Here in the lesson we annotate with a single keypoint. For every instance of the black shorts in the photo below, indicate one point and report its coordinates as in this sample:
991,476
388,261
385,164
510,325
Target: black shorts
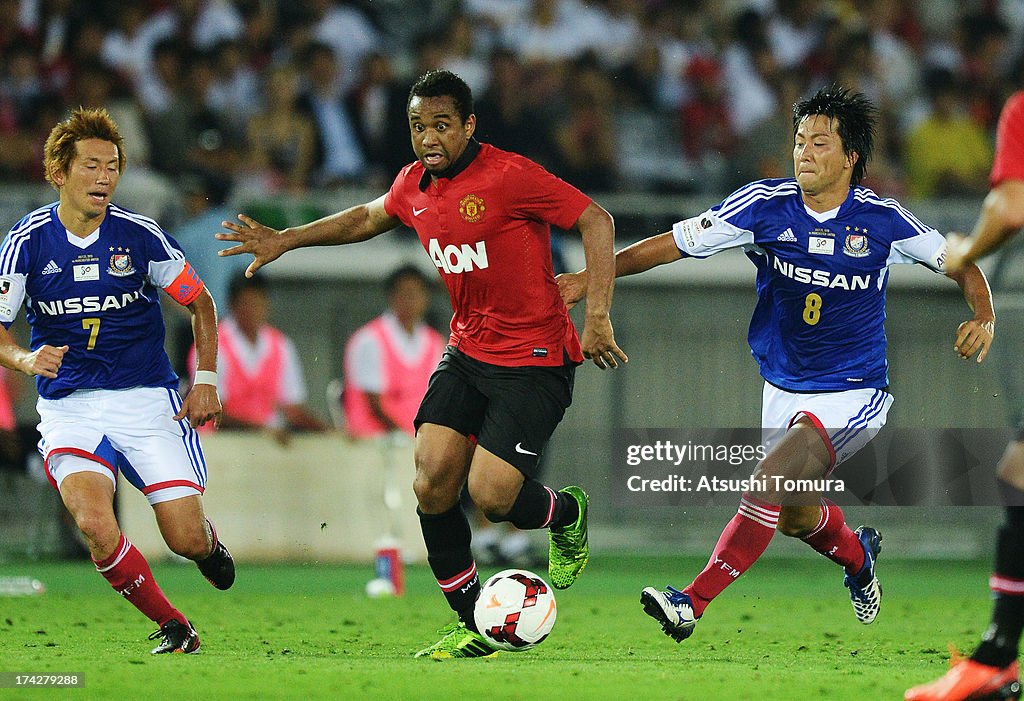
512,411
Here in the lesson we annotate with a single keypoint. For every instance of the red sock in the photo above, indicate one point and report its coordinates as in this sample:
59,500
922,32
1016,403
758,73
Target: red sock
744,539
834,539
129,574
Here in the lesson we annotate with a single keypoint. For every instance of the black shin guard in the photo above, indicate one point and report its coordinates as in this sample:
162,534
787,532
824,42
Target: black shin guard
447,537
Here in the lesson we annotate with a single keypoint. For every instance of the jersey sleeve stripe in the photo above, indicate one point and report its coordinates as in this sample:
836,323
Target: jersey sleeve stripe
31,219
743,198
868,197
151,226
12,248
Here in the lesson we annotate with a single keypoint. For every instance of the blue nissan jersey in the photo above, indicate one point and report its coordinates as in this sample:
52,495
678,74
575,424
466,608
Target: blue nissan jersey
819,323
98,295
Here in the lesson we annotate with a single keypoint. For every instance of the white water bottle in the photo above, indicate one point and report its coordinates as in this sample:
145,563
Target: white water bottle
21,586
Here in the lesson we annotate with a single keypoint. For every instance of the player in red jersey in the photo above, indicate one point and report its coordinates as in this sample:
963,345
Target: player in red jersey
484,215
992,671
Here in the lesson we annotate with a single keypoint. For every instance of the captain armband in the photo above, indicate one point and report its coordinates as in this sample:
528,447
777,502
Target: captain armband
186,287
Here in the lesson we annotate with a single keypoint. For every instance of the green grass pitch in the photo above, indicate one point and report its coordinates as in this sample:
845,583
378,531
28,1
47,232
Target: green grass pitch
784,631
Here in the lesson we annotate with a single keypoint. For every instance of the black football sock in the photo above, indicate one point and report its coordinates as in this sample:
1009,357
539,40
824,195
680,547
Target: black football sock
447,537
998,646
538,506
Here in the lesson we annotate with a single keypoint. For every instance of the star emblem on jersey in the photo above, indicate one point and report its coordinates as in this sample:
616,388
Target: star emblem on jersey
787,236
856,245
50,268
471,208
121,265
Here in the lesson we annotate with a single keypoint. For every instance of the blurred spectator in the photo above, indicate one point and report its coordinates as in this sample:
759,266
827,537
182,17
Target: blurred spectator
185,132
947,154
987,64
767,150
205,206
377,104
463,54
53,22
84,47
546,33
889,20
12,29
21,84
94,87
200,24
141,188
281,138
260,22
704,119
339,155
794,31
128,48
342,25
584,139
389,361
749,68
503,115
199,69
161,81
235,90
610,28
259,376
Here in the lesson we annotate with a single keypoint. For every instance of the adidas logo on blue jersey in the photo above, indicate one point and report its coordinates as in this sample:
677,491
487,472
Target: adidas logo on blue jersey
51,268
787,236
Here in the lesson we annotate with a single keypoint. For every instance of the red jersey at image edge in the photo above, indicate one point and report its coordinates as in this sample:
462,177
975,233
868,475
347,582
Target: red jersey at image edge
487,228
1008,163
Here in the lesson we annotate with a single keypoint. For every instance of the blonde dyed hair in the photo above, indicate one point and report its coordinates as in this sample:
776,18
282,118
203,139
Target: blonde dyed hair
82,124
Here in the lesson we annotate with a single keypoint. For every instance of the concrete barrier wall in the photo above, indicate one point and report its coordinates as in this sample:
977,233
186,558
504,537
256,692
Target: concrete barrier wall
318,498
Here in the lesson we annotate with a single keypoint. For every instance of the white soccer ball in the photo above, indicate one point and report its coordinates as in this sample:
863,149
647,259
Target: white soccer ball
515,611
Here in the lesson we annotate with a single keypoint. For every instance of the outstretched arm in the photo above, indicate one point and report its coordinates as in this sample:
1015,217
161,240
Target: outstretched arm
597,229
640,256
1002,216
975,335
358,223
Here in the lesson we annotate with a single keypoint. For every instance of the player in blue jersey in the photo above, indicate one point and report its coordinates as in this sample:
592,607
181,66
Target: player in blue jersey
822,245
89,274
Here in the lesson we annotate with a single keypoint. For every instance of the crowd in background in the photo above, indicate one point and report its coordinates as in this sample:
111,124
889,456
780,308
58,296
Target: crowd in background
269,96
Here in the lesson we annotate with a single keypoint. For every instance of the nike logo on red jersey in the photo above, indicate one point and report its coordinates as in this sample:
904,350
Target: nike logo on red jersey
417,212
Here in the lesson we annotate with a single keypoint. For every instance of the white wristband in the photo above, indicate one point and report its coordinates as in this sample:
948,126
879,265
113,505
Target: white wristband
205,377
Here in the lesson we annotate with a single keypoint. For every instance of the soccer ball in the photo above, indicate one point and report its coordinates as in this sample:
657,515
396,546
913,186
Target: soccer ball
515,610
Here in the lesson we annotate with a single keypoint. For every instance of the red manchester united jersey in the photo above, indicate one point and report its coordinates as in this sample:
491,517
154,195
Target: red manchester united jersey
488,230
1009,160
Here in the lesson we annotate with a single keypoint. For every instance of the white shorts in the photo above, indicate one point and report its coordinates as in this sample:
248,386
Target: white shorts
845,420
131,431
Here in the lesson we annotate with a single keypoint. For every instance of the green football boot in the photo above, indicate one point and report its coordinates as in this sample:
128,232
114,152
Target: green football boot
457,641
568,551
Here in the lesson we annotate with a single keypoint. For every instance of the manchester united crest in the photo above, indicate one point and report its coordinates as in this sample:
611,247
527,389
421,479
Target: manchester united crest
472,208
121,265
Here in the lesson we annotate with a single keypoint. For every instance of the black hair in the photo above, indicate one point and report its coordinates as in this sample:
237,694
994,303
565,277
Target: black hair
444,84
399,274
240,283
856,116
